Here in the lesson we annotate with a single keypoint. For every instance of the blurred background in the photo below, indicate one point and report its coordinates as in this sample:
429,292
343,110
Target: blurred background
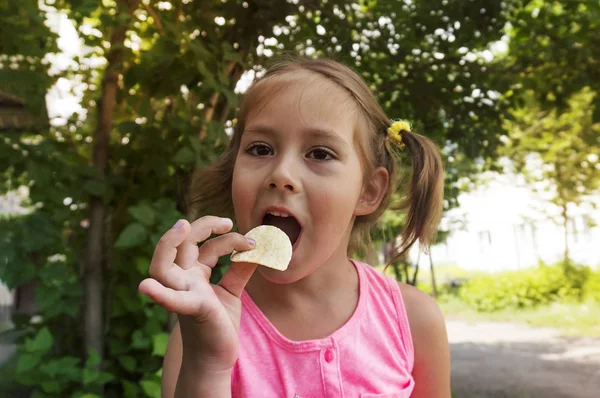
106,108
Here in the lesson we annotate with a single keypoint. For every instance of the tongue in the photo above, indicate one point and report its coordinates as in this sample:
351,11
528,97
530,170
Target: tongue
289,225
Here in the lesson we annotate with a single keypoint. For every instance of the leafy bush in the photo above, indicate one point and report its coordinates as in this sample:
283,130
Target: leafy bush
443,289
526,288
591,289
50,361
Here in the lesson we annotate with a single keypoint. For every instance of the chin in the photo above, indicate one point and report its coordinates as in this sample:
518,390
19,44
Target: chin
286,277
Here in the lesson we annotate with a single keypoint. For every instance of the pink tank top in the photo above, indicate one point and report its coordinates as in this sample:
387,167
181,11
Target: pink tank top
370,356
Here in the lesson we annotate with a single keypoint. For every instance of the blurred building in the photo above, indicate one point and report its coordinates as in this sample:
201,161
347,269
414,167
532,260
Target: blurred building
507,225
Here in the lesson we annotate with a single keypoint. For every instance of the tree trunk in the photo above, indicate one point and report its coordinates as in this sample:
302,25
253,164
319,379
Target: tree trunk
535,244
24,299
416,274
397,273
433,284
565,217
406,273
94,256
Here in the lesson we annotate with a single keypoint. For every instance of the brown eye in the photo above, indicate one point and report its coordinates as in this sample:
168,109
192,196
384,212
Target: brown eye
260,150
321,154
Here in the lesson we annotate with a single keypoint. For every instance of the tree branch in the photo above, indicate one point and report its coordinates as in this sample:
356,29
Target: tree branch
156,18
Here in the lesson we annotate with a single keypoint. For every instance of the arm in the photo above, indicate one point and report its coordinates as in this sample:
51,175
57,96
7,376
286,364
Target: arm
203,348
172,363
189,380
431,370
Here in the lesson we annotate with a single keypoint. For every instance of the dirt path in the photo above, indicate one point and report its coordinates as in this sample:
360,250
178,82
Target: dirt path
506,360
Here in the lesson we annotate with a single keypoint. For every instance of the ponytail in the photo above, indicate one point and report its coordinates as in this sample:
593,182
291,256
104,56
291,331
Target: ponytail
424,195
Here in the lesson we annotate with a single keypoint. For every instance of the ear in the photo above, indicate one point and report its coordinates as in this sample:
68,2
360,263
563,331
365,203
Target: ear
373,192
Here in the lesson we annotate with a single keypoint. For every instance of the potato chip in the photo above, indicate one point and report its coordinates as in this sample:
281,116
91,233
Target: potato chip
273,248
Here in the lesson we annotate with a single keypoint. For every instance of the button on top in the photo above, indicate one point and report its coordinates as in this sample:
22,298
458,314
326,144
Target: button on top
328,355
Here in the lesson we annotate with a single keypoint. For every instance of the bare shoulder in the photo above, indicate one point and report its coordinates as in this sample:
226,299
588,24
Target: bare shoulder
422,310
431,370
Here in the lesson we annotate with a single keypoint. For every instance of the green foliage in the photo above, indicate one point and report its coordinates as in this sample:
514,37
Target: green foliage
552,51
37,368
592,286
526,288
557,151
573,319
565,144
24,41
179,68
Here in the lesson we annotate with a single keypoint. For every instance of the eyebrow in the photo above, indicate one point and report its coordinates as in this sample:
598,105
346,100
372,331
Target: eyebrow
312,132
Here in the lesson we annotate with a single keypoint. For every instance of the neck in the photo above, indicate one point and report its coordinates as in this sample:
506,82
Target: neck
336,277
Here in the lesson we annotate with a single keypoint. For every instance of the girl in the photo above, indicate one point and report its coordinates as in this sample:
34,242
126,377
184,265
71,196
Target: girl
312,153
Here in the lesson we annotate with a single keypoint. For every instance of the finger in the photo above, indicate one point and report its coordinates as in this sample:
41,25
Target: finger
236,277
212,249
201,229
180,302
165,252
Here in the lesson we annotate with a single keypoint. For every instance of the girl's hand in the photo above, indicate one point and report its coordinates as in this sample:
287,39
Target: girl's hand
209,315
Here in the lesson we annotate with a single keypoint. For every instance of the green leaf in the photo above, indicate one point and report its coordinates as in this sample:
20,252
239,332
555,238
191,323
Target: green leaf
140,340
151,388
41,343
38,394
129,127
143,213
65,368
596,112
48,297
93,358
104,378
128,362
133,235
195,143
95,187
90,376
159,344
142,264
130,389
185,156
27,362
50,386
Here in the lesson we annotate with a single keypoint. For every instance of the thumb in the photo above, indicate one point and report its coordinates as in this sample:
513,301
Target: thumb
236,277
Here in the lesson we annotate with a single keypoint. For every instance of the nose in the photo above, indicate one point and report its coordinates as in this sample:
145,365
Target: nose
284,176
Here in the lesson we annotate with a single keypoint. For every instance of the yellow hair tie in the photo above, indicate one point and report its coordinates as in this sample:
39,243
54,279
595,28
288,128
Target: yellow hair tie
395,130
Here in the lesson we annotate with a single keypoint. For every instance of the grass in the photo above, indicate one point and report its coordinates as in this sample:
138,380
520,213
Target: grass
571,318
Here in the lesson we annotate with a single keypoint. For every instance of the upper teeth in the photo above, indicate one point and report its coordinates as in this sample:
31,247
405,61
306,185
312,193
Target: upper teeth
278,214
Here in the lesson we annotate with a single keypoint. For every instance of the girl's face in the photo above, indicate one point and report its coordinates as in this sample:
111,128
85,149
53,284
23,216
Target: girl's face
298,158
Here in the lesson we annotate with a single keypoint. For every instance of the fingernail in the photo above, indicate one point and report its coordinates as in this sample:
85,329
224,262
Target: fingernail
178,224
251,241
226,219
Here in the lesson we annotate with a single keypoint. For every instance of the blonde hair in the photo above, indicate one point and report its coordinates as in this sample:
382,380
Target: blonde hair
210,189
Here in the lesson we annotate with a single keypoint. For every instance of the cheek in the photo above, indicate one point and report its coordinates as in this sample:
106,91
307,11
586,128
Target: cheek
336,205
242,197
237,183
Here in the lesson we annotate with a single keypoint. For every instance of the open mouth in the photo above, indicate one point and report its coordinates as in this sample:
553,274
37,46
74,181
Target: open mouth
286,223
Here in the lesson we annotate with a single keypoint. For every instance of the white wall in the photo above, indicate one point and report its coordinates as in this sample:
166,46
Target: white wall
509,226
